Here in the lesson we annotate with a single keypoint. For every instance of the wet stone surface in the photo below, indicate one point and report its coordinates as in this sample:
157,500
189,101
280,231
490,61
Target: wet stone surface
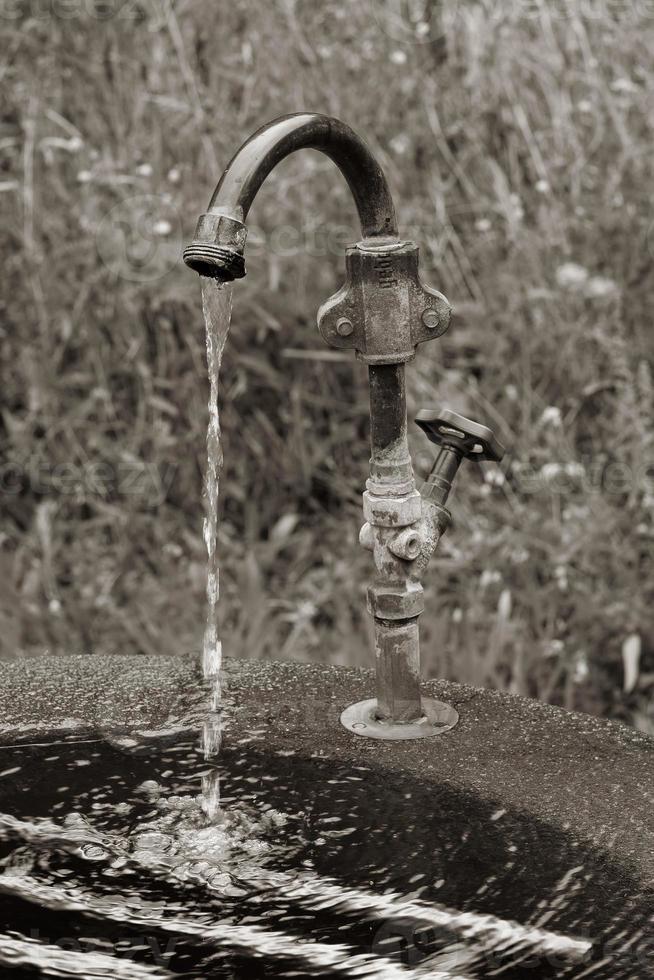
522,813
85,693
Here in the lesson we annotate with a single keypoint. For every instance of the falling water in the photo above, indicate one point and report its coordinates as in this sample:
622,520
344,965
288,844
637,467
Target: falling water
217,309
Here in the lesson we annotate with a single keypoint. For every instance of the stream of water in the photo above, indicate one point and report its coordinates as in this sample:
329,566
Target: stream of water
217,309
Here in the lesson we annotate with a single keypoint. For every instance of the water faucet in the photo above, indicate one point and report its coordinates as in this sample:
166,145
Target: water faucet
382,312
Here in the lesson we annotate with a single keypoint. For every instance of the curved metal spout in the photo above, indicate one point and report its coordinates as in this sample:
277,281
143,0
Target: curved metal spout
251,165
217,250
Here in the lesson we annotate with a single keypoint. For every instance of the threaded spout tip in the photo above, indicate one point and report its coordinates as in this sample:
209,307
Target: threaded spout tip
214,261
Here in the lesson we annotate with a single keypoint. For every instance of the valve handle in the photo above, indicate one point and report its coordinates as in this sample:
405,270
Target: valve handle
444,427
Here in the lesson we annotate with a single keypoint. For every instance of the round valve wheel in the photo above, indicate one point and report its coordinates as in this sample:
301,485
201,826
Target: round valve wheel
447,428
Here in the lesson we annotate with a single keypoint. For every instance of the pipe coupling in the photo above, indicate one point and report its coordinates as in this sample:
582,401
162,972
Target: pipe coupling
392,511
396,602
384,310
217,249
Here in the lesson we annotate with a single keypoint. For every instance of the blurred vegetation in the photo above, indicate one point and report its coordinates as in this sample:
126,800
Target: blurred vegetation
517,139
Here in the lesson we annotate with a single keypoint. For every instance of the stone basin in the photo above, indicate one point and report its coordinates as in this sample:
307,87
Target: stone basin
522,811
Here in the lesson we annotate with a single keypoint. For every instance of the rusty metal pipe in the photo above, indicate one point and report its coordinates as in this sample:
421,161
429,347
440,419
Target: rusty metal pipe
390,462
397,662
250,166
397,644
217,250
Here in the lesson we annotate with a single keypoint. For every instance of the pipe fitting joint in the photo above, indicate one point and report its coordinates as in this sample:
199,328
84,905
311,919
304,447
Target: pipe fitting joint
406,544
389,310
217,249
396,602
392,511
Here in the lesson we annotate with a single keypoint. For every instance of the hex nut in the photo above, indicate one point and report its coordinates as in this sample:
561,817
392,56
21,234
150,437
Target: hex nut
220,229
387,602
392,511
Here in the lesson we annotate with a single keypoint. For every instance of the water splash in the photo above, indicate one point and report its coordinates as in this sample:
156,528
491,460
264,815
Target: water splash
217,309
178,848
27,953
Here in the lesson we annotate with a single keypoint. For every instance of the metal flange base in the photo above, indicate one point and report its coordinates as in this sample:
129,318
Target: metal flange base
437,718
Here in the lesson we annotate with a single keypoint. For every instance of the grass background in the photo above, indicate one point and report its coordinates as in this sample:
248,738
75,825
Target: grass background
517,138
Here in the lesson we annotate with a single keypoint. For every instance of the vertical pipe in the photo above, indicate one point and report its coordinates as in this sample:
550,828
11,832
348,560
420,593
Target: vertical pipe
397,646
390,462
397,662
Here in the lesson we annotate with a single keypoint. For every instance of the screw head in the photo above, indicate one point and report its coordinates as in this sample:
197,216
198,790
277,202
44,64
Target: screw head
431,319
344,327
